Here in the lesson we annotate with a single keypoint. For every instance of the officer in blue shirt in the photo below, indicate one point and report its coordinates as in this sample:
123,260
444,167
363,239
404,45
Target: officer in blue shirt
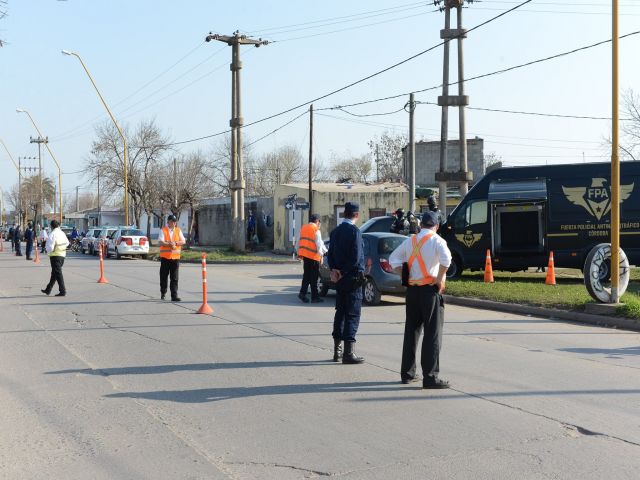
346,261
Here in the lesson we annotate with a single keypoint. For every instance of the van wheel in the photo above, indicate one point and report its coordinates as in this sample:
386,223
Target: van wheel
370,293
455,269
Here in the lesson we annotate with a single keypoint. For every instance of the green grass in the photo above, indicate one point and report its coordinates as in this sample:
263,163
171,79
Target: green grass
528,288
221,255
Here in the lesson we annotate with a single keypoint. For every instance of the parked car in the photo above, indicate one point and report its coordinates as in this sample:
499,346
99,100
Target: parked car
378,224
128,241
379,275
86,244
103,236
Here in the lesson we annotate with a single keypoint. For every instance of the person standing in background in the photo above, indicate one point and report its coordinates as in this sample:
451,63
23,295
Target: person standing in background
29,236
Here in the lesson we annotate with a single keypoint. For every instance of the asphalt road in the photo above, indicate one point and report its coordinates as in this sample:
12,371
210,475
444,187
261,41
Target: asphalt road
109,382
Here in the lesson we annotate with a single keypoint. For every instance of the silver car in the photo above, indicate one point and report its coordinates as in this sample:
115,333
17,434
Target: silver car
102,237
86,245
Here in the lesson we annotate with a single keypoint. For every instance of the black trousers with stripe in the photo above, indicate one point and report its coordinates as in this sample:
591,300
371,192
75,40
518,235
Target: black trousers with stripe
424,311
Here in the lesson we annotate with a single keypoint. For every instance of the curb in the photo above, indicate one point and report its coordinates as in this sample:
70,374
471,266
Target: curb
551,313
224,262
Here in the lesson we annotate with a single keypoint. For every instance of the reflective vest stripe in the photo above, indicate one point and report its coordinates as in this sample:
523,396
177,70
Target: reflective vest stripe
307,245
415,255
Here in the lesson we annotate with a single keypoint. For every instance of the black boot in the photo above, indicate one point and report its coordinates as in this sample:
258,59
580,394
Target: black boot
350,356
337,350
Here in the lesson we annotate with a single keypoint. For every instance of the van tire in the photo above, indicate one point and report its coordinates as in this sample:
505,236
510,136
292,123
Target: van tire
455,269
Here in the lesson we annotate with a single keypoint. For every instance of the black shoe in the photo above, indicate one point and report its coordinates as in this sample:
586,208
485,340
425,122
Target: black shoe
408,380
303,298
337,350
45,291
317,300
436,384
349,356
61,294
28,258
162,295
175,299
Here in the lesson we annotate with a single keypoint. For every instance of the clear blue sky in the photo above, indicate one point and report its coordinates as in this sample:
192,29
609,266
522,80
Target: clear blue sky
129,45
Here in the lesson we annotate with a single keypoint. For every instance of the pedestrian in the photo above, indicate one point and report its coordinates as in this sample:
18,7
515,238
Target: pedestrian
251,227
346,261
44,235
194,234
11,237
427,259
17,239
311,249
170,240
29,236
433,207
57,243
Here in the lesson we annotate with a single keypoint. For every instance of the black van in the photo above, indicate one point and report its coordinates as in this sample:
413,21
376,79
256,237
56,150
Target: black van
521,214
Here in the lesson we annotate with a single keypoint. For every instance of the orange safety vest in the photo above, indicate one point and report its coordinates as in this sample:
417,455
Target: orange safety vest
165,250
307,246
426,279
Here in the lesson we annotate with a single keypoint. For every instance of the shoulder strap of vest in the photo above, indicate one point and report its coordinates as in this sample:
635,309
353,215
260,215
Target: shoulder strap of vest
415,252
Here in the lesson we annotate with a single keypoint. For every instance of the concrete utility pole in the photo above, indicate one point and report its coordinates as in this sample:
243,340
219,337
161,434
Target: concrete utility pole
462,177
412,155
40,141
20,169
77,198
310,160
175,185
237,183
99,209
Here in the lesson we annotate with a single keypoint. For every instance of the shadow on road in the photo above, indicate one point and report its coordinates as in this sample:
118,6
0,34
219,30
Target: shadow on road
612,352
229,393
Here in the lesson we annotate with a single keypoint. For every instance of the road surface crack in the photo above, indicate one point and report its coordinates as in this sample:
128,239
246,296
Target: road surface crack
124,330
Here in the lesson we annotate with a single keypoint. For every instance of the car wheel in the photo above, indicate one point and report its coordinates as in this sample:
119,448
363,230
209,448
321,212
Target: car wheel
82,250
370,293
324,290
118,257
455,269
145,256
90,249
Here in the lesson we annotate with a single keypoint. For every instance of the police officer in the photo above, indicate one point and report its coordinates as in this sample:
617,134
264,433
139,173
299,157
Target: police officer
57,244
400,224
170,240
311,249
433,207
346,261
17,239
428,258
29,236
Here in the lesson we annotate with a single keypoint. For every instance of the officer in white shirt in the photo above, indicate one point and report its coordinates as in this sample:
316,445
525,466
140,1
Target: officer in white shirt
56,247
428,259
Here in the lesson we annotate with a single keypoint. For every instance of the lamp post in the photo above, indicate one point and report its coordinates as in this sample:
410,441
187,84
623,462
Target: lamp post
22,110
19,179
124,140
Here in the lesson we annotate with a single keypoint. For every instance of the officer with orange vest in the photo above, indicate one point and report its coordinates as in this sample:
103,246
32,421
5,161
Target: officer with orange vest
428,258
171,240
311,249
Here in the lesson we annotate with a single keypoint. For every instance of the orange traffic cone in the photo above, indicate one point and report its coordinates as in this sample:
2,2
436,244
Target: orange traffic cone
204,308
102,278
551,273
37,259
488,271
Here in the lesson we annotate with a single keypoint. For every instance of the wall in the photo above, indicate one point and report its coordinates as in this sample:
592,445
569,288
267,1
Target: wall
428,160
183,223
214,219
324,204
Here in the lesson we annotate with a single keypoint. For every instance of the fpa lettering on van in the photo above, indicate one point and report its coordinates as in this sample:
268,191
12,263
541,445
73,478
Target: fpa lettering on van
523,213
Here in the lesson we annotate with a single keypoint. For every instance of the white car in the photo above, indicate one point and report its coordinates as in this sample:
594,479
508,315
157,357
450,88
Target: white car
128,241
86,244
102,237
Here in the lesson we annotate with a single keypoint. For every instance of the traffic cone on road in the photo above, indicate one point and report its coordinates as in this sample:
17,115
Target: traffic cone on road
551,273
204,308
488,270
37,259
101,279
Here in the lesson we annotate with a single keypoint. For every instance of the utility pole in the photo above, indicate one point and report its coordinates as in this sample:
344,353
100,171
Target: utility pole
237,183
310,160
615,158
412,155
175,185
99,209
20,169
377,163
40,141
462,177
77,198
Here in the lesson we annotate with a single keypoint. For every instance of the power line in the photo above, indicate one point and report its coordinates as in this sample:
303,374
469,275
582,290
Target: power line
345,87
277,129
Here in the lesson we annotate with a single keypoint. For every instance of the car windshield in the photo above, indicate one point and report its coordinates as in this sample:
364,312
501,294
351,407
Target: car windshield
389,244
132,233
377,224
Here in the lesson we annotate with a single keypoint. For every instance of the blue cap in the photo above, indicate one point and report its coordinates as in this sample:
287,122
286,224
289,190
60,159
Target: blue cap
351,207
430,219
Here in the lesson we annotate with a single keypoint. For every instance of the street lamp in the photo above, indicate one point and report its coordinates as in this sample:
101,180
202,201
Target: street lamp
22,110
19,180
124,140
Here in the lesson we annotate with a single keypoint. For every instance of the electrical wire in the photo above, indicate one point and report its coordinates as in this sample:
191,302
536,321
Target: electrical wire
277,129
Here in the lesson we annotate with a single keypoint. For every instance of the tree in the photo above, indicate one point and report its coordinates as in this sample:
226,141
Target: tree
631,127
31,196
147,147
284,165
355,168
3,13
491,161
387,149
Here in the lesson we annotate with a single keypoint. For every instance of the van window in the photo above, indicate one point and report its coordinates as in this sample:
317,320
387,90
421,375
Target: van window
474,213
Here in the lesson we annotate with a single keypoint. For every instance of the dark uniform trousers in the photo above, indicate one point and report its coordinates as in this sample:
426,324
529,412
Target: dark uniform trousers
310,273
56,274
347,317
169,269
425,311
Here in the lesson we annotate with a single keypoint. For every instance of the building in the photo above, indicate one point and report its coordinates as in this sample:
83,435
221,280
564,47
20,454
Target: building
428,160
214,220
152,224
94,217
328,202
